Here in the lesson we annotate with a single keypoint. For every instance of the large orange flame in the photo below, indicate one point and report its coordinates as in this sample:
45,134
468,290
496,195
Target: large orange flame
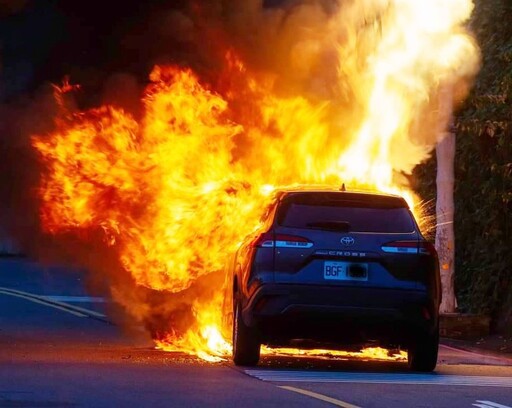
175,192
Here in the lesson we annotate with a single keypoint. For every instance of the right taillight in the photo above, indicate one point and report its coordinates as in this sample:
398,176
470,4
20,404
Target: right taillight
269,240
410,247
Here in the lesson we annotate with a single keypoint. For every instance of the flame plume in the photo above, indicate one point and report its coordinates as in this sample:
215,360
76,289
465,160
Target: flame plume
175,192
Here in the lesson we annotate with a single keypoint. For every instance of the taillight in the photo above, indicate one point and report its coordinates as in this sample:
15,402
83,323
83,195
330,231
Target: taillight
269,240
401,247
410,247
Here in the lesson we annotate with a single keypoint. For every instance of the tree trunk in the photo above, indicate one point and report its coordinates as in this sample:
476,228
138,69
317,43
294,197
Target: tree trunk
445,236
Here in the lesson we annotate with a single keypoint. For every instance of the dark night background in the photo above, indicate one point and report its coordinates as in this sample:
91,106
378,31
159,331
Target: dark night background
44,40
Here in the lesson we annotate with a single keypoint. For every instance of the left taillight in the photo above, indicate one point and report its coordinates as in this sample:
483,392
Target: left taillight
269,240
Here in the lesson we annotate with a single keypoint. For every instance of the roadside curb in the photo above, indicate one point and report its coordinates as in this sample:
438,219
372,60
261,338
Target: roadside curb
456,345
42,299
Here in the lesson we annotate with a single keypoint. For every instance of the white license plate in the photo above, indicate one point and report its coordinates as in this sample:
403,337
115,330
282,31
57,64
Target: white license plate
346,271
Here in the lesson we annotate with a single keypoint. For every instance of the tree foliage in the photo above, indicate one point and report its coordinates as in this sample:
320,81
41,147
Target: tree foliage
483,173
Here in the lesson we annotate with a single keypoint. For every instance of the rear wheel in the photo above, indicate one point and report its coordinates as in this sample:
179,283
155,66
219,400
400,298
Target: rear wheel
422,353
246,345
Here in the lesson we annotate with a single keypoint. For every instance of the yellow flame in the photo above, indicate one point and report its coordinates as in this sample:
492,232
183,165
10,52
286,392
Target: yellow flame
176,192
369,353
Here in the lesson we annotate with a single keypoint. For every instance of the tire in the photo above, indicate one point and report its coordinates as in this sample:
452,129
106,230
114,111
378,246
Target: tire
422,353
246,345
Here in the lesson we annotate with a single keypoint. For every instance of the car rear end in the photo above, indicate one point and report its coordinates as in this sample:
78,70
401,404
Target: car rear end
339,268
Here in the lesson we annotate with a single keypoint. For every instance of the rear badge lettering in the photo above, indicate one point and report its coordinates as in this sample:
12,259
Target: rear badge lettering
342,253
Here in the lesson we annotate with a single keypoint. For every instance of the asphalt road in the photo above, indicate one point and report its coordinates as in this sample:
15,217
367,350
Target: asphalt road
55,356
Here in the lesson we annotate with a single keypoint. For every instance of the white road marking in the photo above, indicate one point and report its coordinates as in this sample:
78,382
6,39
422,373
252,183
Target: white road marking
36,300
78,311
76,299
320,397
489,404
379,378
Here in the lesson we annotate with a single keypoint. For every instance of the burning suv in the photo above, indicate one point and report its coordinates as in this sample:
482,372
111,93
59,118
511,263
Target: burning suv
335,269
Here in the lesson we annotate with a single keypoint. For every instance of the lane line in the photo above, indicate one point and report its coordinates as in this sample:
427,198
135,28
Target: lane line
489,404
44,300
320,397
378,378
35,300
75,299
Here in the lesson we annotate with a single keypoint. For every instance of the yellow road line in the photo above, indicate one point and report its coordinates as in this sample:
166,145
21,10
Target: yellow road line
43,299
320,397
36,300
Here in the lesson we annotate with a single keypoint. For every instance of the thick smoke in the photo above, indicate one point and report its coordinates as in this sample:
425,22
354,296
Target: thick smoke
314,49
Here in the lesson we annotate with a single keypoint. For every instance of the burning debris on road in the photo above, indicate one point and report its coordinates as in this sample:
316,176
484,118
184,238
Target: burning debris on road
305,94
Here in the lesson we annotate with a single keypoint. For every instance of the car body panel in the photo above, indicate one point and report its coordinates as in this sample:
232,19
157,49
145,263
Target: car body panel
284,291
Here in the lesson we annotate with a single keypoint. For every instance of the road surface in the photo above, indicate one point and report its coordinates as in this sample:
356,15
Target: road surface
55,355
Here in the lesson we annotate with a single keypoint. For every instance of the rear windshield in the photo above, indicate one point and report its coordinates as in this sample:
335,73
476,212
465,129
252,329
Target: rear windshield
345,216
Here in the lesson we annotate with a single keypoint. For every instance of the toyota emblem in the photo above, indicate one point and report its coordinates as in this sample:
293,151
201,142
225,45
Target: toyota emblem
347,241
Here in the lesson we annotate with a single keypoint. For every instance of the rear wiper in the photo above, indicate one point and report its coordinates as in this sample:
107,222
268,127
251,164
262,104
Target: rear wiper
342,226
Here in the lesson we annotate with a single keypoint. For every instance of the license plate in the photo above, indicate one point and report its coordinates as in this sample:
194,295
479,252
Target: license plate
346,271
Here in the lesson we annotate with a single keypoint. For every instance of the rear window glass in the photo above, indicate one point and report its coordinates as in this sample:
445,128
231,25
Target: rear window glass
347,216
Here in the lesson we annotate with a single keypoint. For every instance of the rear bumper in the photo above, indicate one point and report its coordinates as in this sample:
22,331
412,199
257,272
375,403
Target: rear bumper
349,314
